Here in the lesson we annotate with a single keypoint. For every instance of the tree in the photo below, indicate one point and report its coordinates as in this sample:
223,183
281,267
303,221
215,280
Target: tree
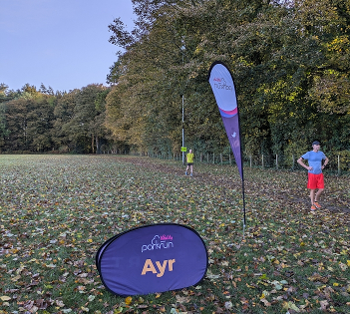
289,59
85,127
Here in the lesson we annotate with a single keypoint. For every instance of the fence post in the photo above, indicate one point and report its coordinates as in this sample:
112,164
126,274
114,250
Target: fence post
293,162
262,161
208,158
229,158
221,158
201,157
277,161
251,161
339,166
213,158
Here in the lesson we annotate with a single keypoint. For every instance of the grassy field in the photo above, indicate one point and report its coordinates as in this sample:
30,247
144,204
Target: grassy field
56,211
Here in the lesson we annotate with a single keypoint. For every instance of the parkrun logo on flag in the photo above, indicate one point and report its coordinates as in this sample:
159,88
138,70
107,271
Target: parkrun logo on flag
220,83
158,242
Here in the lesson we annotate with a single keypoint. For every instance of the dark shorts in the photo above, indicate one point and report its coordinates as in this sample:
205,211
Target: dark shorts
190,164
315,181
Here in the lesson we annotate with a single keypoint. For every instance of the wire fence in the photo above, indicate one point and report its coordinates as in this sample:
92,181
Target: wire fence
339,162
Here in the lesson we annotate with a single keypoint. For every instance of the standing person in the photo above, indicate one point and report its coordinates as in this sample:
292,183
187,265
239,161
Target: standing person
189,158
315,175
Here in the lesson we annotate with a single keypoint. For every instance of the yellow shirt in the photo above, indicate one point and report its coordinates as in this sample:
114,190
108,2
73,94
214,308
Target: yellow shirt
190,157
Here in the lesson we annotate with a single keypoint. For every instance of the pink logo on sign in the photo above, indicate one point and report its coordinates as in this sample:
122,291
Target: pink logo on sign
158,243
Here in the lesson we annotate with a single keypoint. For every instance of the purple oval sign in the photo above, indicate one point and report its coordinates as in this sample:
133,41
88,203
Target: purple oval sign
152,258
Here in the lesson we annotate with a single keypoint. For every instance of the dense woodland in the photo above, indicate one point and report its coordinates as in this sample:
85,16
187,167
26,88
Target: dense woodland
34,120
290,61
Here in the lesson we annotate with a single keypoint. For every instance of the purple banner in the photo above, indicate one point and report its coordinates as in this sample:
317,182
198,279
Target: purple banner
153,258
222,85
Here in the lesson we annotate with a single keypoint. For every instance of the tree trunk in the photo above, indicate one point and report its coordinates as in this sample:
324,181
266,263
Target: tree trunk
92,144
98,149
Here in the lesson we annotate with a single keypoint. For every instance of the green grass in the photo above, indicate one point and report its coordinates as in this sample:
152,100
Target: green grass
56,211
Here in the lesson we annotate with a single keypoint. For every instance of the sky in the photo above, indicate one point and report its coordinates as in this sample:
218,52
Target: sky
60,43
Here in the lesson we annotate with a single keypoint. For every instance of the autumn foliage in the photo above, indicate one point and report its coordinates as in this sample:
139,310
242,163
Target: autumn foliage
56,211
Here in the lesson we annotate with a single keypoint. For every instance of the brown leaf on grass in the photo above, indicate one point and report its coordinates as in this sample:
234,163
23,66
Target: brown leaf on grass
343,266
182,299
300,263
324,305
327,292
11,290
29,305
59,303
62,279
84,281
142,306
83,275
16,278
318,277
33,283
266,303
42,304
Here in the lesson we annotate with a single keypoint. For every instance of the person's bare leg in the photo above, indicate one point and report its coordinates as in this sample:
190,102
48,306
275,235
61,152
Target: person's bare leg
191,167
312,196
318,194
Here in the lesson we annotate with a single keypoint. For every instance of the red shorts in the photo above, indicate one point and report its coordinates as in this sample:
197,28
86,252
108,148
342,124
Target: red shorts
315,181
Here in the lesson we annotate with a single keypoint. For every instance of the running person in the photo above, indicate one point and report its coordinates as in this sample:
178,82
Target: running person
189,157
315,175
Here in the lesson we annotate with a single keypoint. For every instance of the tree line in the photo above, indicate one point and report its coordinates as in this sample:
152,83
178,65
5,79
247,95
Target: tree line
42,120
289,58
290,61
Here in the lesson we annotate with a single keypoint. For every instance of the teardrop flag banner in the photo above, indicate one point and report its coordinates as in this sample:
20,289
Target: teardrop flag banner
152,258
221,82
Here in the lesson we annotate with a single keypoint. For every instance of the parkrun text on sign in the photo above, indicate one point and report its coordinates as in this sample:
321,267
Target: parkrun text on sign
152,258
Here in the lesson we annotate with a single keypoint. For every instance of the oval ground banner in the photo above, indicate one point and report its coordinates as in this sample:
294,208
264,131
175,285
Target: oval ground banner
152,258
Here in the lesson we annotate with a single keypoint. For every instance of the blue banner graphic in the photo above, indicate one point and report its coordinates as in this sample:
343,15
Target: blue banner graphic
152,258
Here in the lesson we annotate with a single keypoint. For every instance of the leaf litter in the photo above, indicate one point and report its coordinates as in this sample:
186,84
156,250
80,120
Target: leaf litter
55,212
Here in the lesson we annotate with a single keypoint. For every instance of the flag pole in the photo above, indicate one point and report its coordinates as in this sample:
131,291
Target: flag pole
242,170
244,217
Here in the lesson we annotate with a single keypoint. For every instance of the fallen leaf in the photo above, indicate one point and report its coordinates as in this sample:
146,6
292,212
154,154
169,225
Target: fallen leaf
59,303
324,305
182,299
128,300
266,303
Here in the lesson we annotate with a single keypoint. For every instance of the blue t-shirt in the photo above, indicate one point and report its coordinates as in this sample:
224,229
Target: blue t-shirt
315,161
